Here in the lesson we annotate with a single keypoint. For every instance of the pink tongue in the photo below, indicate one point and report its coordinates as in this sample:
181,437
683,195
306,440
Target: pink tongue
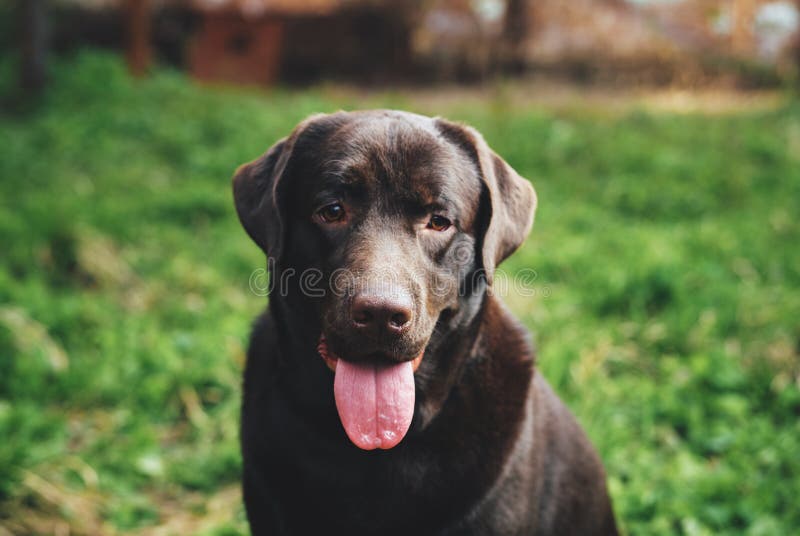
375,402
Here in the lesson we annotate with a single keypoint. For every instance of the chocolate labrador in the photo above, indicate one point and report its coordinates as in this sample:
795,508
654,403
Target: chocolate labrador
387,390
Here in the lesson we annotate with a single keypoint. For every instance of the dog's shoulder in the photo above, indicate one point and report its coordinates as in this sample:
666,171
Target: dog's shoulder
262,354
553,452
572,497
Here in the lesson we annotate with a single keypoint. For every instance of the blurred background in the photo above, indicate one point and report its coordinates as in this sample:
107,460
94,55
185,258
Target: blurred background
663,138
747,43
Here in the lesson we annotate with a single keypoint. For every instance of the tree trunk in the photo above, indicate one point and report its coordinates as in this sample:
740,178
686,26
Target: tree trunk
34,34
516,28
138,25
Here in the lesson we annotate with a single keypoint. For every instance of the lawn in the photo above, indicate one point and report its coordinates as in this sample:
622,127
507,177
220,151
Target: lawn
666,313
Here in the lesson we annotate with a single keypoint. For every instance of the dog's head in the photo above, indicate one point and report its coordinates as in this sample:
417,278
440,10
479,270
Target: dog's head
396,217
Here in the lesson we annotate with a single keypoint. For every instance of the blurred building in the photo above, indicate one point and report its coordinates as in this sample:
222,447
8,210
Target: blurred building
299,41
258,41
242,40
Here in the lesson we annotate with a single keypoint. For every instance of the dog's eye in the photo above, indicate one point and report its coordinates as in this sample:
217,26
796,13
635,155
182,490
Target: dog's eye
331,213
439,223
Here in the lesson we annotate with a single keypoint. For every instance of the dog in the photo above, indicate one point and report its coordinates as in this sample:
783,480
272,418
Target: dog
387,390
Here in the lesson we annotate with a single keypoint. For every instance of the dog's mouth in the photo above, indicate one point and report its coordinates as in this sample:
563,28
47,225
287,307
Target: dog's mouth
331,358
375,400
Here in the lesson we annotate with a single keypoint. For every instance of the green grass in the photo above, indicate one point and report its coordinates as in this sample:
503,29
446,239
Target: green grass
667,253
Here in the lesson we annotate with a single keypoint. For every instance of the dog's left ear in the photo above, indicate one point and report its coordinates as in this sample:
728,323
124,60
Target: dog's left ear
508,212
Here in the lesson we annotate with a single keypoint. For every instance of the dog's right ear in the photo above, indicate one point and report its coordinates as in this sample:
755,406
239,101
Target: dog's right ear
255,188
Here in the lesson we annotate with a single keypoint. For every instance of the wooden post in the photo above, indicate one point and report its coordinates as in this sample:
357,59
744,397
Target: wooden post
138,52
34,34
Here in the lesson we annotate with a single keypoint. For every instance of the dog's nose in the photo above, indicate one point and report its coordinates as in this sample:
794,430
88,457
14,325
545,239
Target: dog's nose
377,314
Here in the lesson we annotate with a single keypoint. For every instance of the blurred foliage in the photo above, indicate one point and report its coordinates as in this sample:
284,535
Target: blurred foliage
666,305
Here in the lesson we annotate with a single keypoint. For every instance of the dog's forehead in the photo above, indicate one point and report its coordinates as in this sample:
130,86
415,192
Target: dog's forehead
398,151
